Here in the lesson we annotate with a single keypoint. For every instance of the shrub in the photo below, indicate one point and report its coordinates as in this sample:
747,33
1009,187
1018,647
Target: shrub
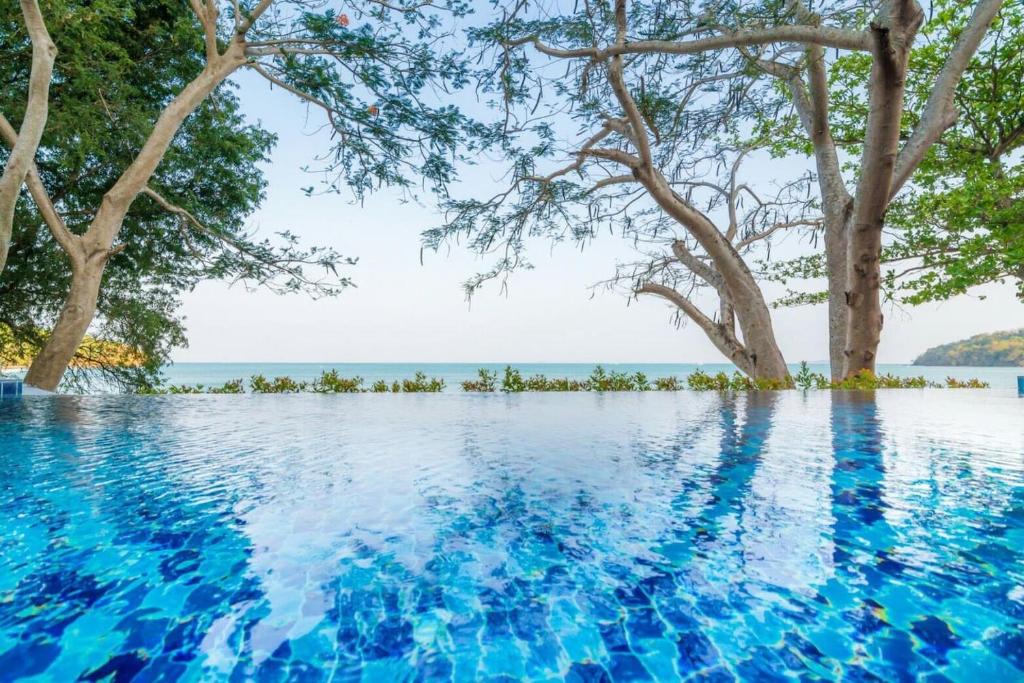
867,380
185,389
954,383
259,384
512,382
487,381
330,382
420,384
670,383
805,379
234,386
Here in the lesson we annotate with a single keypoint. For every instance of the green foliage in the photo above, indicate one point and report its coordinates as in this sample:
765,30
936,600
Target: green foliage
961,222
1002,349
118,64
701,381
695,111
385,82
617,381
258,384
670,383
330,382
487,382
954,383
420,383
866,380
234,386
804,379
512,382
600,380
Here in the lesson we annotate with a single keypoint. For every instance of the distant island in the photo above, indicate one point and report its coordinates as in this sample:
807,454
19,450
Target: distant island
1002,349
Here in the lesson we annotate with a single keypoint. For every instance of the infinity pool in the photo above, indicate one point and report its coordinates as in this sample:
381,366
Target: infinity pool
583,537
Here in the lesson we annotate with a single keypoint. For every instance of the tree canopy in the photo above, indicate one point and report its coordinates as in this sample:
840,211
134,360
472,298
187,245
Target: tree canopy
144,180
665,97
960,222
119,64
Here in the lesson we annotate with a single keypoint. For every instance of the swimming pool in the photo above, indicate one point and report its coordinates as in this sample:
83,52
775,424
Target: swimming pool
536,536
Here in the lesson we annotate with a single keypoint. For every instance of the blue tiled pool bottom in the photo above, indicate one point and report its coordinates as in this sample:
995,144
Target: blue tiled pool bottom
543,537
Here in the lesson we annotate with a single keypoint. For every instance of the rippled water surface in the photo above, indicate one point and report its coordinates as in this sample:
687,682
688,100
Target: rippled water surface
578,536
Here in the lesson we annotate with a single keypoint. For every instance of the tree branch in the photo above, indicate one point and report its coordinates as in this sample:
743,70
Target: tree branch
719,335
939,111
23,151
824,36
58,228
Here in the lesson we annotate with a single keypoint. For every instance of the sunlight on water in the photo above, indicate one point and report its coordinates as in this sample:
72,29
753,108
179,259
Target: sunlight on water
588,536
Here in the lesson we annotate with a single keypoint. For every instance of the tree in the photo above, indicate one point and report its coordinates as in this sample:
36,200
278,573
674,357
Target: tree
786,43
654,155
119,65
370,81
959,223
962,224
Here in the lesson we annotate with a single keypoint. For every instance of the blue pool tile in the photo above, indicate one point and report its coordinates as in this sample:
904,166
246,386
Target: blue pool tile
587,672
695,651
120,668
644,623
562,537
937,637
626,667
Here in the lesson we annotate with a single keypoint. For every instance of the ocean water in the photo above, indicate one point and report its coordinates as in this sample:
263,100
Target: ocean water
581,537
455,373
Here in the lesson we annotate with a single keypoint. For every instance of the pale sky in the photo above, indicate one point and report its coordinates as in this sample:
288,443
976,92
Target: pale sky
403,311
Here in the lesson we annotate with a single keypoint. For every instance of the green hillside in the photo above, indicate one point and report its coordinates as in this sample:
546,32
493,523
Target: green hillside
1005,349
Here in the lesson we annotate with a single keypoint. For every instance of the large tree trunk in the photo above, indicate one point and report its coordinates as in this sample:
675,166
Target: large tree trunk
89,252
893,33
48,367
836,261
759,338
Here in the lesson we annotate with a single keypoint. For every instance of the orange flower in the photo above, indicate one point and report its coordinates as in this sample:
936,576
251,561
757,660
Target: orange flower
342,20
373,110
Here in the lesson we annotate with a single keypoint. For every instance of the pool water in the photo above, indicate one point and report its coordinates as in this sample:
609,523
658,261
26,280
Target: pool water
580,537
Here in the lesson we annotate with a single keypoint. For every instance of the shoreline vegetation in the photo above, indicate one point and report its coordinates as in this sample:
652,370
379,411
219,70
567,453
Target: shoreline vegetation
512,381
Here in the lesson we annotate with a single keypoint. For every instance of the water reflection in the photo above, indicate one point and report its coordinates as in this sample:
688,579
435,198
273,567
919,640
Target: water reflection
597,537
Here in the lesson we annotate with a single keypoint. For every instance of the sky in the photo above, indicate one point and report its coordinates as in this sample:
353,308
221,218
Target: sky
405,309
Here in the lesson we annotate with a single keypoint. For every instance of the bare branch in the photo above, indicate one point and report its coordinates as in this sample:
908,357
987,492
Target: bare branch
719,335
824,36
697,266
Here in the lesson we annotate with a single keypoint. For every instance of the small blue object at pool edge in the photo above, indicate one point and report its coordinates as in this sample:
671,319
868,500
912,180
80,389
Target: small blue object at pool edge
10,388
1020,385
